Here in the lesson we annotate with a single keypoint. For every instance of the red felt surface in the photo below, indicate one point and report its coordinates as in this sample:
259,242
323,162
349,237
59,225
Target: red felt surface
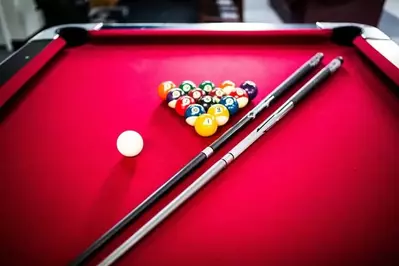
319,189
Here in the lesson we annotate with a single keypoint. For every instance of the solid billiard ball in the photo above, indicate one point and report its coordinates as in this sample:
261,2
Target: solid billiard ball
207,86
231,103
196,94
220,112
206,101
251,88
129,143
206,125
227,83
187,86
217,94
164,88
182,104
193,111
242,97
173,95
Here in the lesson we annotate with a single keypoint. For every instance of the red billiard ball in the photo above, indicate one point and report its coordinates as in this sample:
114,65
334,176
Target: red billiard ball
217,94
182,104
242,97
196,94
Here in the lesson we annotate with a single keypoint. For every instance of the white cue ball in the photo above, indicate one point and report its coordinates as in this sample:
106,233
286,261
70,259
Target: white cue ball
129,143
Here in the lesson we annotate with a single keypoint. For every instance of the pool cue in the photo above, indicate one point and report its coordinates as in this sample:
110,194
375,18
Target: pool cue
244,144
292,80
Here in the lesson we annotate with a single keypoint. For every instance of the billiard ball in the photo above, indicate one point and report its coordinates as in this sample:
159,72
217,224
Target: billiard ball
206,101
129,143
207,86
182,104
173,95
196,94
251,88
187,86
217,94
231,103
228,90
206,125
193,111
242,97
164,88
227,83
220,112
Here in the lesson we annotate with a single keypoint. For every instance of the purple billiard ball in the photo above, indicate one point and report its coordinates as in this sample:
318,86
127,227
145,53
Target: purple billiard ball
251,88
173,95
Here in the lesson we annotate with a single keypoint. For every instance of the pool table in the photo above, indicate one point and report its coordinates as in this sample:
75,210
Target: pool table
320,188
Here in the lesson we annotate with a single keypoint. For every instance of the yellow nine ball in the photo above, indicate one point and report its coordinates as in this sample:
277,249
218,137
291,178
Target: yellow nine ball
220,112
206,125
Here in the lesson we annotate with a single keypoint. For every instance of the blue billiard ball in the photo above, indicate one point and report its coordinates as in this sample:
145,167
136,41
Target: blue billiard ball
193,111
231,103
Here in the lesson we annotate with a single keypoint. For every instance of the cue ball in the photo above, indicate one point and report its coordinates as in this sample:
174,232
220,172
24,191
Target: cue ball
129,143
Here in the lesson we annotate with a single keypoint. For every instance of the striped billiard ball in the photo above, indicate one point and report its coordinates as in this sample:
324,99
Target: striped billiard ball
187,86
231,103
193,112
207,86
196,94
172,97
242,97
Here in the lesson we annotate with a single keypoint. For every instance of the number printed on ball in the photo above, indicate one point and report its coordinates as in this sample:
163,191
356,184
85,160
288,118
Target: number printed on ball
208,122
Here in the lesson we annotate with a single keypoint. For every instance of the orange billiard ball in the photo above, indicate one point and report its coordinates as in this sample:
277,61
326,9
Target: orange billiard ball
227,83
164,88
228,86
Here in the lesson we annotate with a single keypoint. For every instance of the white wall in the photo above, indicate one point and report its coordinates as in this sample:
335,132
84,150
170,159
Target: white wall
22,18
392,6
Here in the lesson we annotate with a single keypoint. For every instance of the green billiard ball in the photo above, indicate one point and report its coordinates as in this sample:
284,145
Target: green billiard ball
187,86
207,86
